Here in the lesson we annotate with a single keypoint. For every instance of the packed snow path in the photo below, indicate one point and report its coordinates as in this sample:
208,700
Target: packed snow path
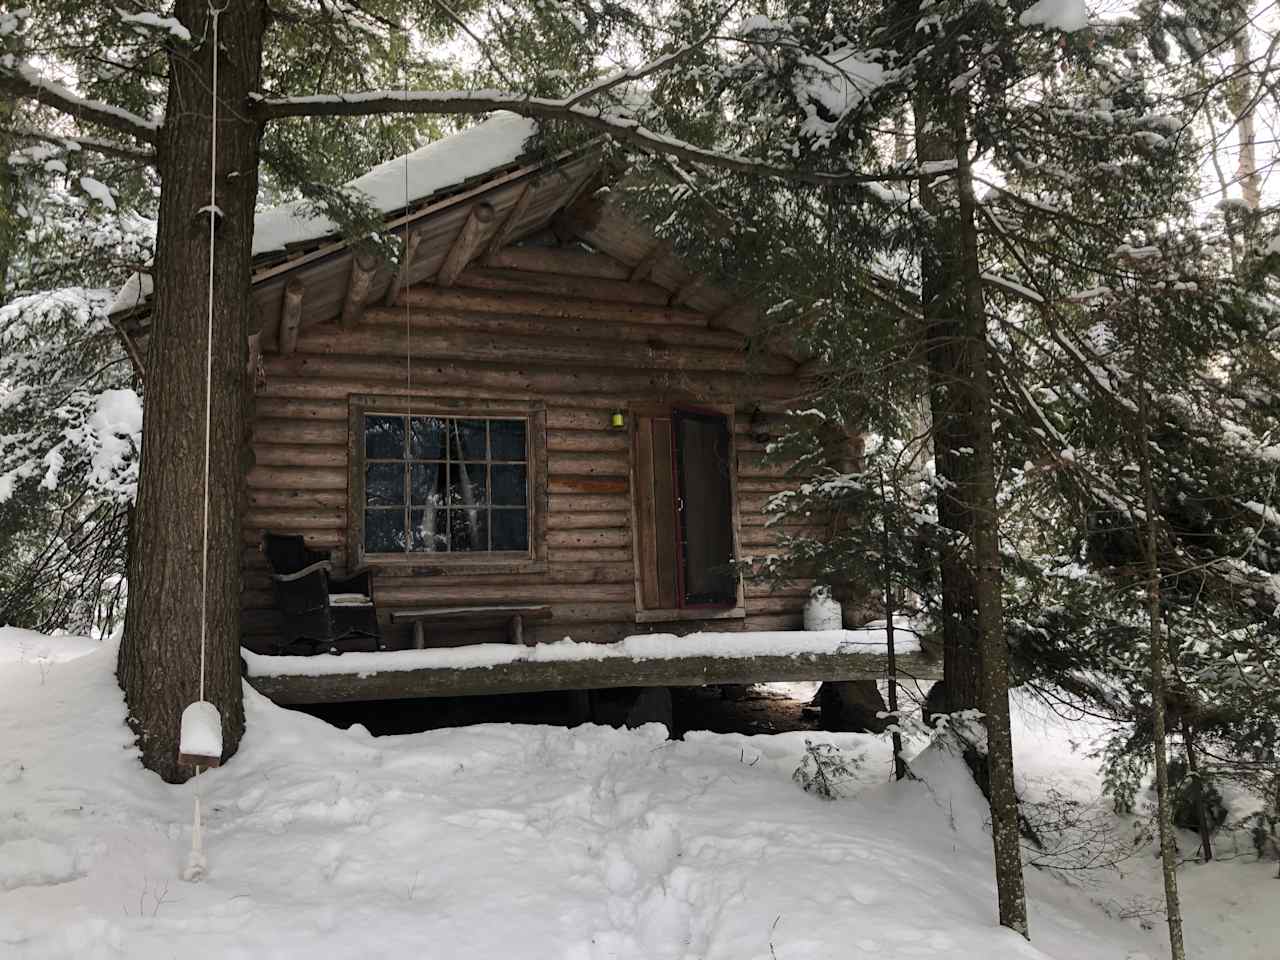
493,842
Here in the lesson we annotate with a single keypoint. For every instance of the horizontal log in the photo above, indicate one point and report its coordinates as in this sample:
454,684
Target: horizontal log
757,465
556,573
340,374
288,520
268,408
299,455
562,285
528,676
595,555
572,328
485,347
588,441
587,521
297,499
315,539
776,605
425,593
589,485
560,260
297,478
620,537
535,305
588,464
765,484
292,430
588,503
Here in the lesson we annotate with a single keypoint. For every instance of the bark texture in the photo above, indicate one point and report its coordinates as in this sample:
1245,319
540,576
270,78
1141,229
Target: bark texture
160,657
949,406
988,579
1164,807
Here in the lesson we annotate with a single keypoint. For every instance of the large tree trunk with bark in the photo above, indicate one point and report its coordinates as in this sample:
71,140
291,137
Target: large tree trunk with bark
942,295
160,657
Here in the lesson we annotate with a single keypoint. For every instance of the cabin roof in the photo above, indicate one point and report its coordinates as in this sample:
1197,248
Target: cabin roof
486,169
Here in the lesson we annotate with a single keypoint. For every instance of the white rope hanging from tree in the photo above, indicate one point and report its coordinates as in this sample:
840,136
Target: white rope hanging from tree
200,739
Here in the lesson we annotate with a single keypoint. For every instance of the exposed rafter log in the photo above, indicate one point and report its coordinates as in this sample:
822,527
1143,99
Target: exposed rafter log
401,278
739,316
642,269
290,315
502,236
467,243
581,210
682,293
363,267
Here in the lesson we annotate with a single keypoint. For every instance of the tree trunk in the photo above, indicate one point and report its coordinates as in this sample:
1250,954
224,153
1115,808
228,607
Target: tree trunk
1164,814
1240,100
988,580
160,657
944,336
1199,785
899,764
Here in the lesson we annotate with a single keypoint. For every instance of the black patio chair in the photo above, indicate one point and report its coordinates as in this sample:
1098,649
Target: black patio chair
319,612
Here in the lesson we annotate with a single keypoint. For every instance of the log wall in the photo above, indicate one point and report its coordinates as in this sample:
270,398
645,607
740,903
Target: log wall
585,343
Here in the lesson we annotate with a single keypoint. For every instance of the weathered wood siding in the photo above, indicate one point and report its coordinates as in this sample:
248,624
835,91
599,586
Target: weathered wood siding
563,326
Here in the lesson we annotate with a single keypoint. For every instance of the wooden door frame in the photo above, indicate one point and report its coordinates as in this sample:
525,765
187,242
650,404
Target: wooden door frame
648,410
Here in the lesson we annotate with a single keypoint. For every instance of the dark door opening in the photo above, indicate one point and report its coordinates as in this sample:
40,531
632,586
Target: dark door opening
703,509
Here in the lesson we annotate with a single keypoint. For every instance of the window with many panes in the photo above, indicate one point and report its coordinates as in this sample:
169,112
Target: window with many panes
445,484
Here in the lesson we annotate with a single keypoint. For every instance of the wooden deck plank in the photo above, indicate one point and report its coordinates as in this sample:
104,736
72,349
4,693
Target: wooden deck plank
534,676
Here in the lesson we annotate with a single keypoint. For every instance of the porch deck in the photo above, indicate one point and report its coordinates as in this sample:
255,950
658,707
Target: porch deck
646,660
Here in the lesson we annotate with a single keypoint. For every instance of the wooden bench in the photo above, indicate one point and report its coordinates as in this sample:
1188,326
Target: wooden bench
511,616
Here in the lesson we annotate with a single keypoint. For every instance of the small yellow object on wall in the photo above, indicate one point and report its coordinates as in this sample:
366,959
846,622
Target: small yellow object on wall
617,420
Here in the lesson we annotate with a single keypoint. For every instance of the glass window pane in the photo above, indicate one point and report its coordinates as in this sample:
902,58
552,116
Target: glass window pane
384,484
427,441
426,484
384,438
384,531
468,530
510,530
466,485
506,439
468,437
430,531
510,488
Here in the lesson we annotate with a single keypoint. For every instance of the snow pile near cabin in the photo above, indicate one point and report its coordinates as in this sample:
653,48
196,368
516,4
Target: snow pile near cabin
497,841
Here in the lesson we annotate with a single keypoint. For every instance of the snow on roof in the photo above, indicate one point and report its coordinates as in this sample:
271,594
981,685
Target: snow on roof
645,646
444,163
389,186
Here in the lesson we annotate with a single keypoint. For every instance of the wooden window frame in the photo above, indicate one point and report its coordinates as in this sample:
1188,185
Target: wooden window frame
638,413
534,412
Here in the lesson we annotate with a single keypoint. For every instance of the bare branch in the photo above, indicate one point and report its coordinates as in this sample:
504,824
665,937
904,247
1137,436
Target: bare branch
626,129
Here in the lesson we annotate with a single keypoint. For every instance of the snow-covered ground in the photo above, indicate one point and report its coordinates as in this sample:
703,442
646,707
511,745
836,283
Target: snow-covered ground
508,842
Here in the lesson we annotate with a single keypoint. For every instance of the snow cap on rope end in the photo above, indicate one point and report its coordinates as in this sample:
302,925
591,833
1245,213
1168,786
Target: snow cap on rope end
200,743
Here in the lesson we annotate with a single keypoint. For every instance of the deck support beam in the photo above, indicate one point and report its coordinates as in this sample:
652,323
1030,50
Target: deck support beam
533,676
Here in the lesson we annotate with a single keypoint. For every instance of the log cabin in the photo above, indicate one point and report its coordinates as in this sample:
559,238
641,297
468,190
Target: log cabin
539,424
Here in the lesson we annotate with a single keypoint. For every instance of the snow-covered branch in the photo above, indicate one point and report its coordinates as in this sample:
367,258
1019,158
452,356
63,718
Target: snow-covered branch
107,148
24,81
618,126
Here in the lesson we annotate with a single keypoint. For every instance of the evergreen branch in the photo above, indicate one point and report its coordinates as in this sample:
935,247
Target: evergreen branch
107,148
25,82
626,129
